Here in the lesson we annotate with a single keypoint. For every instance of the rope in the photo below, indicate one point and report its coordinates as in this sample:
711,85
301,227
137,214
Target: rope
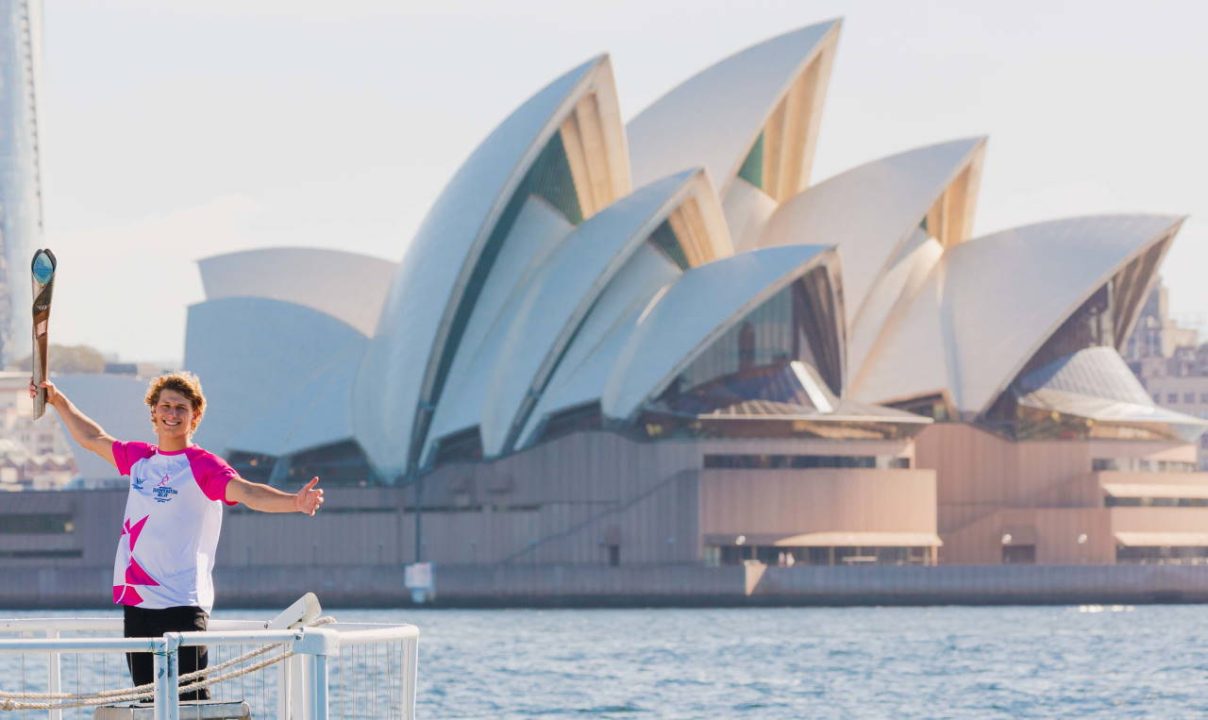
149,687
13,701
140,692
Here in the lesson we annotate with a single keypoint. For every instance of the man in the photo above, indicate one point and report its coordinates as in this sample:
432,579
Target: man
162,575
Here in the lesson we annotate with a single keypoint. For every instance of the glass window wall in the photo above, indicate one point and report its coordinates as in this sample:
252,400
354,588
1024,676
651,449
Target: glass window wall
252,466
827,556
752,167
803,462
1112,501
37,524
666,242
1089,326
465,446
795,324
1179,555
343,463
1141,464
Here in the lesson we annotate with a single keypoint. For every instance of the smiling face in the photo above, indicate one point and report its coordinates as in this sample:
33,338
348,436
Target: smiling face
174,419
176,404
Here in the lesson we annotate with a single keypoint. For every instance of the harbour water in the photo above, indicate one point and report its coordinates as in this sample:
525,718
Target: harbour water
939,662
942,662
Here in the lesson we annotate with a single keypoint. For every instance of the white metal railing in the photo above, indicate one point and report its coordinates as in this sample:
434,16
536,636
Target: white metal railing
339,670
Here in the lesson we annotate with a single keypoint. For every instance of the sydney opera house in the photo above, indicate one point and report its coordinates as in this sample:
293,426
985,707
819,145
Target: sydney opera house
664,342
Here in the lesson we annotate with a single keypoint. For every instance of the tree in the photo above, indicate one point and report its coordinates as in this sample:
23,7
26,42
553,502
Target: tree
69,359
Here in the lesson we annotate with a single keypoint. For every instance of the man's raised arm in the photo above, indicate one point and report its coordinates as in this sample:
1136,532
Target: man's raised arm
84,429
264,498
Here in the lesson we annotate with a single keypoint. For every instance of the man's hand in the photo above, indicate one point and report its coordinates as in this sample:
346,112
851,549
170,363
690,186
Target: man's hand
52,393
308,499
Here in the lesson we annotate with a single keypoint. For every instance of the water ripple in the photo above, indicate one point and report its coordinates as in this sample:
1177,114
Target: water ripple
1110,662
1013,662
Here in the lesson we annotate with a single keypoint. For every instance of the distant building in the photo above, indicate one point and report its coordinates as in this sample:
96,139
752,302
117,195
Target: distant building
116,402
20,173
136,369
41,455
1158,345
1171,362
34,455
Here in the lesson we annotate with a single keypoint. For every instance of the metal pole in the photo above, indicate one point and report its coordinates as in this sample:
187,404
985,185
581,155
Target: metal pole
167,677
410,670
318,687
55,681
419,518
315,645
283,691
299,709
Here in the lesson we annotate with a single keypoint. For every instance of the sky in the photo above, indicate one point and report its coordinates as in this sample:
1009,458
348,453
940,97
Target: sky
180,130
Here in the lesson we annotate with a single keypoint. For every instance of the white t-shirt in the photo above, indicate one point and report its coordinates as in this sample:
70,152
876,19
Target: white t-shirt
165,555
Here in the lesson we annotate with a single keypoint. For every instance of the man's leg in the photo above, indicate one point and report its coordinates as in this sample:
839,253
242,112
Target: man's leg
137,623
192,659
154,623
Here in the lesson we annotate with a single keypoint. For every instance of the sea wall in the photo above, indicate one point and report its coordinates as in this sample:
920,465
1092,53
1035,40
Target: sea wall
649,585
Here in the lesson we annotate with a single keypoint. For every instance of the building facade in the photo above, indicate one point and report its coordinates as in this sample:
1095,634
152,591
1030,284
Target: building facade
20,171
1171,362
34,455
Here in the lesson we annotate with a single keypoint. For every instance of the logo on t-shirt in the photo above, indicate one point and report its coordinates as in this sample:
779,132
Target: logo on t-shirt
163,493
138,483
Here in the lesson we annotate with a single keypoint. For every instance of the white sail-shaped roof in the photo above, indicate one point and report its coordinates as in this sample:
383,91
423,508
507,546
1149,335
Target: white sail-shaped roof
900,279
990,303
565,289
348,286
695,310
255,354
870,212
714,118
748,210
537,323
319,414
538,231
581,376
431,299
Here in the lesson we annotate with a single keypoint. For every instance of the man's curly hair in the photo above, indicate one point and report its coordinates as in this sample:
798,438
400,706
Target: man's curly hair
185,383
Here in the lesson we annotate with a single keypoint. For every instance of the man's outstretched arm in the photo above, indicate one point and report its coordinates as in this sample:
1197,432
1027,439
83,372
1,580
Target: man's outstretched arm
84,429
264,498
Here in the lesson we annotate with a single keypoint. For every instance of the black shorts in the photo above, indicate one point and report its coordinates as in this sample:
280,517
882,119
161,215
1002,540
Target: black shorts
140,623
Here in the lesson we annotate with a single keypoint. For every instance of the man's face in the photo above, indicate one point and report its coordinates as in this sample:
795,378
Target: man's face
173,415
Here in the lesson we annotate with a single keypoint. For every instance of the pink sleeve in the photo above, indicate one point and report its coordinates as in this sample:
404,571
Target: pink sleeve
211,474
125,454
